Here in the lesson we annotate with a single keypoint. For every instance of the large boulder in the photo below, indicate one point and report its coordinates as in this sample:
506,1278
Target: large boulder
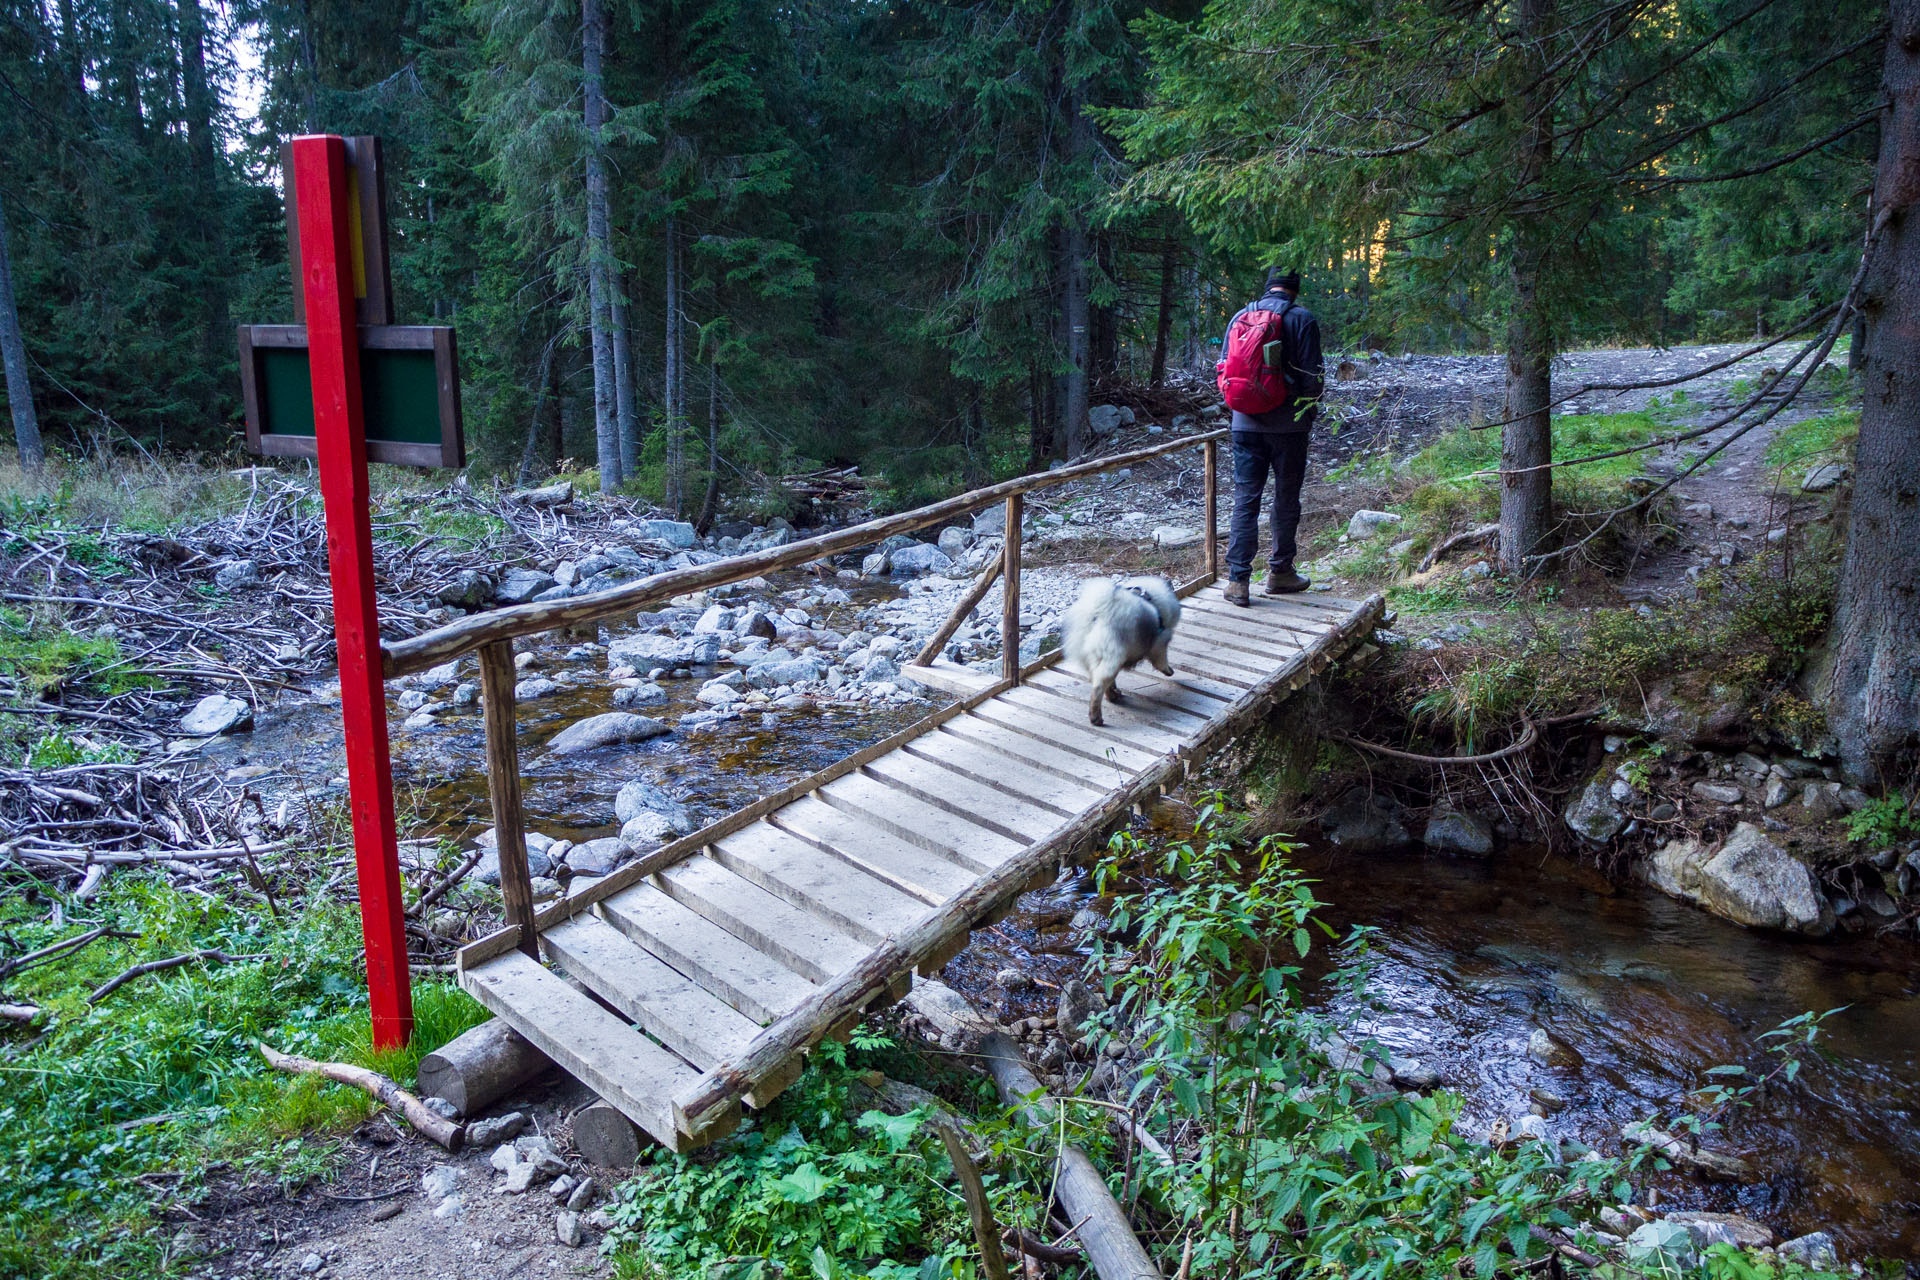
675,533
1593,813
604,730
1105,419
921,557
1361,822
640,796
1365,524
1451,832
469,590
1749,880
771,675
522,585
649,650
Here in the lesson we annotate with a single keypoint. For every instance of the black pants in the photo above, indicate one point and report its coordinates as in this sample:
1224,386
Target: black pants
1255,454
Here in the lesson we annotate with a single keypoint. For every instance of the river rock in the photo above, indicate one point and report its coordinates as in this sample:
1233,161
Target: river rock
880,669
1361,822
605,730
522,585
1451,832
1365,524
1718,792
1822,800
1778,792
645,694
770,675
640,796
469,590
1815,1249
1549,1051
487,870
534,687
921,557
235,574
1075,1007
1105,419
717,618
1723,1228
1593,813
596,857
646,831
1748,880
954,541
217,713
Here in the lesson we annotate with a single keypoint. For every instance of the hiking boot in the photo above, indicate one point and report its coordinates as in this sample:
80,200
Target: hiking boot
1283,581
1237,593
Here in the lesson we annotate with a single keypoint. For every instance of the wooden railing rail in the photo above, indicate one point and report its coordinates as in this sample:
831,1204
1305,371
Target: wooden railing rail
444,644
493,633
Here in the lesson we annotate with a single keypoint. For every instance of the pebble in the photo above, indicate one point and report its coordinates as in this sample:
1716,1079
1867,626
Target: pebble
496,1129
312,1263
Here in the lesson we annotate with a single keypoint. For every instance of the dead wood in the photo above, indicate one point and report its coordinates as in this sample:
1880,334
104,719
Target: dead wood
209,956
430,1123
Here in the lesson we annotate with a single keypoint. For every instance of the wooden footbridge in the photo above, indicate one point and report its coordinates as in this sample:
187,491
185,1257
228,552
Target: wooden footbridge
695,978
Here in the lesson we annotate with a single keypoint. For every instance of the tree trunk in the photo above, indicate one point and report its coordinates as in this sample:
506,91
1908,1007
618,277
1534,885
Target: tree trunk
599,249
1073,301
1163,323
198,99
626,401
26,426
710,504
530,454
1526,499
676,375
1872,691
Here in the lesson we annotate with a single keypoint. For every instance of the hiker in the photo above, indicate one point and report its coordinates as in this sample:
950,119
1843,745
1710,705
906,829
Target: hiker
1271,368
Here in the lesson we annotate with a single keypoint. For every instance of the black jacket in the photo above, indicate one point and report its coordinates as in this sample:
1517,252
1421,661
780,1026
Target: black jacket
1306,370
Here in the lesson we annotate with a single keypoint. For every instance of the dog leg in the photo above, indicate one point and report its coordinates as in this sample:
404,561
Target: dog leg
1114,695
1158,654
1100,690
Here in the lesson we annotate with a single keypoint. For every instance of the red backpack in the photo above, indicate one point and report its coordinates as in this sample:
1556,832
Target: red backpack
1251,372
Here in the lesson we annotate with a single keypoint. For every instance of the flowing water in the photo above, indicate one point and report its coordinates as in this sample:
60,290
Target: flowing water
1473,956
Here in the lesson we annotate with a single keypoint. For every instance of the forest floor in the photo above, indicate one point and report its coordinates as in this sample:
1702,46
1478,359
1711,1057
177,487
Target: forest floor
362,1218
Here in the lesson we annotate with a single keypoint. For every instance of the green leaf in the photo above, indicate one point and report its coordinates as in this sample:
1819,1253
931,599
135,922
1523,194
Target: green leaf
803,1186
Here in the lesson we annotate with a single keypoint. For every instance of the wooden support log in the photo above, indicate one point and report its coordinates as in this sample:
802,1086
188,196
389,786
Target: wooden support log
503,787
603,1134
446,643
992,1261
430,1123
981,585
846,994
1010,591
1211,455
1113,1251
479,1067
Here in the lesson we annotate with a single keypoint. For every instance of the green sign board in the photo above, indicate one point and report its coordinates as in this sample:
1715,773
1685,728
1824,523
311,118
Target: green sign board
409,386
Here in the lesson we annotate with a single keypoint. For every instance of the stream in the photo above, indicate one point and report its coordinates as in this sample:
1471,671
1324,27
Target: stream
1473,955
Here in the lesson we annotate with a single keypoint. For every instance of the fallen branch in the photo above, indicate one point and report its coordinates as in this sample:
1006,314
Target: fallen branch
1480,533
454,877
22,1013
992,1261
1527,739
1034,1247
434,1125
209,956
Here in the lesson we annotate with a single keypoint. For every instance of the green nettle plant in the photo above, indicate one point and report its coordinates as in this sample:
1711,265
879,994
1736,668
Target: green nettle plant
1288,1166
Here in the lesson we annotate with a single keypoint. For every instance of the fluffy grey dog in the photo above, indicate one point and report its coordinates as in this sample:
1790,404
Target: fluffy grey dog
1114,625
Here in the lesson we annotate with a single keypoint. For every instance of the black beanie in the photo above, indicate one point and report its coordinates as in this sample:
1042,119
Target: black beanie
1281,278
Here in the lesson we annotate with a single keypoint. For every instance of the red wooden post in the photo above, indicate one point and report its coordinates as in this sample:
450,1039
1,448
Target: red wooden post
319,182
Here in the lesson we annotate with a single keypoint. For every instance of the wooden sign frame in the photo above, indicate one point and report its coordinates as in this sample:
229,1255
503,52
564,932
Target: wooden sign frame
449,450
367,232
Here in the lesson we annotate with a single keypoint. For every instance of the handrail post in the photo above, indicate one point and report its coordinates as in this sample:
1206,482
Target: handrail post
1010,591
1211,461
503,787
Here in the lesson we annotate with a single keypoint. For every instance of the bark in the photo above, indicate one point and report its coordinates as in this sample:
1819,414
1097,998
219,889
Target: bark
710,504
1163,323
1073,302
1872,689
626,401
479,1067
1526,499
593,28
26,424
429,1123
530,454
676,374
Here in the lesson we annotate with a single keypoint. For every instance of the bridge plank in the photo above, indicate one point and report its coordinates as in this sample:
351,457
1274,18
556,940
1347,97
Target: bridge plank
1269,649
1278,613
927,876
914,820
1141,683
1250,627
796,938
617,1062
745,977
1074,735
1168,728
664,1002
839,893
1099,775
990,807
1243,665
985,763
986,766
1196,667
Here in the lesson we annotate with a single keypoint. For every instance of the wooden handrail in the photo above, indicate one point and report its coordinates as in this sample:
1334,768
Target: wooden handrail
443,644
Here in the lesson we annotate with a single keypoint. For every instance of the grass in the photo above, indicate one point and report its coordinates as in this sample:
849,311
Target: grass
1826,438
163,1077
